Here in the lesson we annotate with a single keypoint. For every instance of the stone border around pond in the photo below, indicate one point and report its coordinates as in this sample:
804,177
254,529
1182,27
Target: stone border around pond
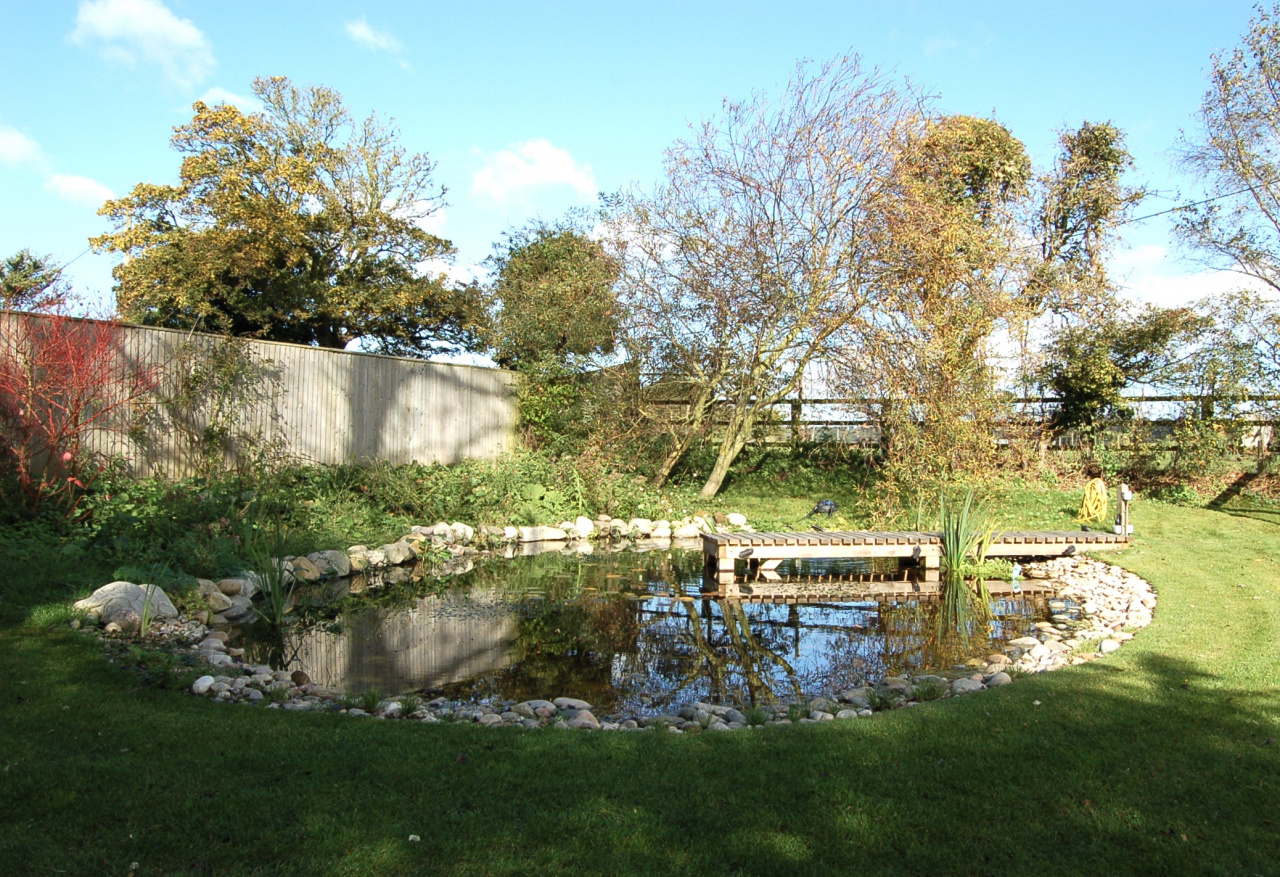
1112,604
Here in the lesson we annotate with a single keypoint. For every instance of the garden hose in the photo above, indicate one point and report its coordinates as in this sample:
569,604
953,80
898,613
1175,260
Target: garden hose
1094,505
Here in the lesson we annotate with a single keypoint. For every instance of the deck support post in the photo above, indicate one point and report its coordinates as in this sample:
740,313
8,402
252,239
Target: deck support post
1123,495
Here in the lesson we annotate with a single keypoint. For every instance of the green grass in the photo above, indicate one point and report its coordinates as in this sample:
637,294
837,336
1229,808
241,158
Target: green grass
1161,759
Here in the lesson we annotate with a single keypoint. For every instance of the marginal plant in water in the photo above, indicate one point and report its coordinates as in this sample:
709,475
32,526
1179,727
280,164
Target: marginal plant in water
967,533
265,549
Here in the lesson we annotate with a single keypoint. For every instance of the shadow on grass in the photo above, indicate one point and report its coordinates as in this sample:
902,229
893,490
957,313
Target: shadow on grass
1141,765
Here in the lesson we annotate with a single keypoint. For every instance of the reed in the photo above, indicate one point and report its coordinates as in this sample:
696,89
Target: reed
967,531
265,549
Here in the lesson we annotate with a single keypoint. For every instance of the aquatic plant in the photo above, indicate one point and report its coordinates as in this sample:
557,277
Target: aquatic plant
967,531
265,549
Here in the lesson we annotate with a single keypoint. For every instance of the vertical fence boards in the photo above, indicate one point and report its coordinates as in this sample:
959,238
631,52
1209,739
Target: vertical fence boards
318,405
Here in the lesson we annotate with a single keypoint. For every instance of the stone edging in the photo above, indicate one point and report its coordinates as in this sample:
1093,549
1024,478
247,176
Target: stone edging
1112,604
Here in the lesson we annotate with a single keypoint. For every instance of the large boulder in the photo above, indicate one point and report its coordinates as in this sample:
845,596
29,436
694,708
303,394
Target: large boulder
397,553
123,602
332,562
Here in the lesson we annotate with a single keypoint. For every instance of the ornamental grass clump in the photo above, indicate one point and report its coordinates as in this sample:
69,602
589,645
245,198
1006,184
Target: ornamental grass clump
967,531
265,550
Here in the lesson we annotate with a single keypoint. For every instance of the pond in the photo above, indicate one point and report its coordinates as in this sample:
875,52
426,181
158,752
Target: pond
637,632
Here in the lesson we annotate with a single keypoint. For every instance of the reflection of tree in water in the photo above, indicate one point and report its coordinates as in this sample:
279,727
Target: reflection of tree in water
634,632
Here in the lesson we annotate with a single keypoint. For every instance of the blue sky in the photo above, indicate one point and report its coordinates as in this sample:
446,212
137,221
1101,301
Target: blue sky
532,108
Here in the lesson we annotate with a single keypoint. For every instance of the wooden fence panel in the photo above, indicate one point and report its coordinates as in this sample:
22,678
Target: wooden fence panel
309,404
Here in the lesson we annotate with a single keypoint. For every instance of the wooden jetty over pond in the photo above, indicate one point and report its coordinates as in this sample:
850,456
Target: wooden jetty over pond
764,552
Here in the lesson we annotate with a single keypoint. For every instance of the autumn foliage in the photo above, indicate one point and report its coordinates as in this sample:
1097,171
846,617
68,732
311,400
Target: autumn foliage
61,379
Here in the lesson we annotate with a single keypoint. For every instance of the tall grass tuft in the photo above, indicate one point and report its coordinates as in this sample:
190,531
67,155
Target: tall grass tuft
967,531
265,549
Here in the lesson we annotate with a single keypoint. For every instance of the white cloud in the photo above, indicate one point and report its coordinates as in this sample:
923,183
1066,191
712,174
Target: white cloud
17,148
78,190
130,31
534,164
1149,274
365,35
245,104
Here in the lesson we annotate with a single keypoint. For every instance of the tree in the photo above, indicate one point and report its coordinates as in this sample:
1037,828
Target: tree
1234,154
949,254
292,224
31,283
1089,365
554,315
760,244
553,295
1080,203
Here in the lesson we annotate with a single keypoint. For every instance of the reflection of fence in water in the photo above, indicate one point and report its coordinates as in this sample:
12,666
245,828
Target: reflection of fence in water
442,639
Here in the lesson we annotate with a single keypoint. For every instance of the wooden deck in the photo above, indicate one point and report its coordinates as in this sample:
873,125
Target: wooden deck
764,552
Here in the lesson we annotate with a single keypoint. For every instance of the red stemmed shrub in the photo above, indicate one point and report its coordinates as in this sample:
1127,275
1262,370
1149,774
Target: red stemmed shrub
61,379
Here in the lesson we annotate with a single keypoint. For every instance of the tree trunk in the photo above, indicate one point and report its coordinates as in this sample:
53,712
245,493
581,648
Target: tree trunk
699,408
735,439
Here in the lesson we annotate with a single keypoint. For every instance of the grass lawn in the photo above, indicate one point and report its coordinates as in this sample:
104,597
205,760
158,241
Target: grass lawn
1163,758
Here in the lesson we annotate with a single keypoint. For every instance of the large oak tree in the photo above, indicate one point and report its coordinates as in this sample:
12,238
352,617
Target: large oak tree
291,224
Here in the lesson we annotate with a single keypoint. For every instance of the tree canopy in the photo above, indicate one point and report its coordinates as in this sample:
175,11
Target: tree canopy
29,282
760,243
552,295
291,224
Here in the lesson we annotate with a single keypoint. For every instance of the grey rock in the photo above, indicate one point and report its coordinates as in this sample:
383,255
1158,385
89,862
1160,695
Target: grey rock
661,720
217,601
569,703
542,534
583,719
202,685
732,715
122,599
965,686
1107,646
847,714
998,679
240,606
397,553
331,562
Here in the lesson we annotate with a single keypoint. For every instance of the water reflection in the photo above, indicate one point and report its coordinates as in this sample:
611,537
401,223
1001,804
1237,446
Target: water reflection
638,633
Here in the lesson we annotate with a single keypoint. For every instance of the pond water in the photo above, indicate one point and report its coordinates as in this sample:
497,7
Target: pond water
637,632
